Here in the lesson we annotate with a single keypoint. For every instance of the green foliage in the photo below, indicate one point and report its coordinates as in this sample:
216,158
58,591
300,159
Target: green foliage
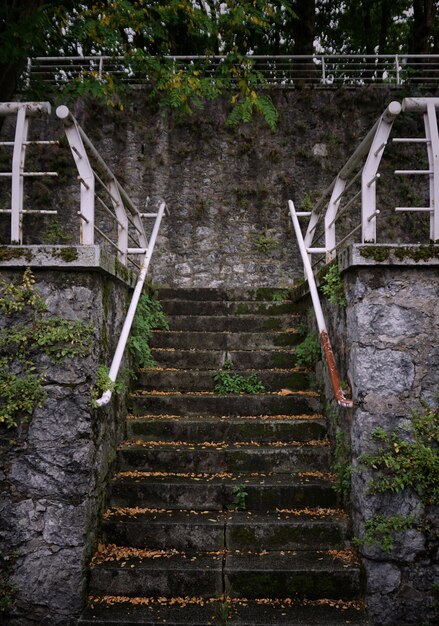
240,495
280,297
307,203
264,243
379,530
56,234
249,101
228,382
31,332
308,352
104,383
149,316
402,464
333,287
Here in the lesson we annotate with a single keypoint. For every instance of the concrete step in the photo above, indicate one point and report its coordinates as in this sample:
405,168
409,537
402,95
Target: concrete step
214,359
295,529
297,574
169,575
238,457
202,380
221,307
215,492
232,404
301,574
230,294
230,323
196,612
201,428
188,340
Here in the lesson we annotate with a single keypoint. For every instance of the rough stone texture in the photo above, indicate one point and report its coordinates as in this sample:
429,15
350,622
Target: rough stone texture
386,343
54,469
227,188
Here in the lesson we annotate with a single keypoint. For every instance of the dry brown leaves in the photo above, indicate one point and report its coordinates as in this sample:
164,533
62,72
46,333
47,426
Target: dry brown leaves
111,552
347,557
314,512
320,475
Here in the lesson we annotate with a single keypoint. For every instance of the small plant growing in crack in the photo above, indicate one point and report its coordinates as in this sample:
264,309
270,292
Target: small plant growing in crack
230,382
240,495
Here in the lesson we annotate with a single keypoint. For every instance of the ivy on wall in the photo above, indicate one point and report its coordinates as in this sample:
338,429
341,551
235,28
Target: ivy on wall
29,332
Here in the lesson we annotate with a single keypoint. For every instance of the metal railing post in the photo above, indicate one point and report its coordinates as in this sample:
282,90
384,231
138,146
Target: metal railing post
432,133
86,176
18,159
370,169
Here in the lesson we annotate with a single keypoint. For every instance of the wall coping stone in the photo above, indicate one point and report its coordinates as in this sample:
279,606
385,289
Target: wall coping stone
401,255
66,257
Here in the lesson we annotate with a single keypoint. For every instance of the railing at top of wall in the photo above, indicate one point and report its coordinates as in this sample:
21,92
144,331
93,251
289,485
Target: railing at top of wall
278,70
362,167
130,242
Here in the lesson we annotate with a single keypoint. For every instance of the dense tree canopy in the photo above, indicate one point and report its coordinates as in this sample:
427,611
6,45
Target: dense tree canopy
146,32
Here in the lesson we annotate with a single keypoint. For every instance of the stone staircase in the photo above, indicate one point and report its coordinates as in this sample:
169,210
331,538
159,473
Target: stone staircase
222,510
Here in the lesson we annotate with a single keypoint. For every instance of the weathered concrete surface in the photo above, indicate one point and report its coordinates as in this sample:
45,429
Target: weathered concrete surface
387,346
54,469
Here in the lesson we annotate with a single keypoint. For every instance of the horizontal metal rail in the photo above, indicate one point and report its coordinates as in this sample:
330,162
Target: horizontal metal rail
280,70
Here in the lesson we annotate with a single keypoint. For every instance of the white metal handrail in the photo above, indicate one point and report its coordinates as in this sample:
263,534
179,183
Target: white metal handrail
364,164
279,70
121,345
339,394
23,112
92,172
92,169
363,167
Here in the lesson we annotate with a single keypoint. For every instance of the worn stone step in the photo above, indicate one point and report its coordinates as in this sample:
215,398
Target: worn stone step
238,457
174,574
155,612
202,380
231,323
215,359
269,294
222,307
231,404
165,529
290,529
188,340
293,529
300,574
201,428
215,492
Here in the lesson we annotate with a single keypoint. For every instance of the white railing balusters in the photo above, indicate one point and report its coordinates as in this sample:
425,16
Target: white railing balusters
367,157
23,111
131,240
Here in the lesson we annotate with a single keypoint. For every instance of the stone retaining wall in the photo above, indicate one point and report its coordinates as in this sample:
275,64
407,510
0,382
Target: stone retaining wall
386,343
54,469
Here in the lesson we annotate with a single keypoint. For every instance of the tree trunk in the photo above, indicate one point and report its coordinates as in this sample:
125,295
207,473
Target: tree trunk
303,31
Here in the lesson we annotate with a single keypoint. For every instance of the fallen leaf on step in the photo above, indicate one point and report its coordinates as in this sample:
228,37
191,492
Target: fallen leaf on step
286,392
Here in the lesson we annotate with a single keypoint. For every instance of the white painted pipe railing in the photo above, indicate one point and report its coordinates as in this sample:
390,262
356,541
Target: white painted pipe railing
280,70
121,345
366,159
23,112
122,210
362,167
328,354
